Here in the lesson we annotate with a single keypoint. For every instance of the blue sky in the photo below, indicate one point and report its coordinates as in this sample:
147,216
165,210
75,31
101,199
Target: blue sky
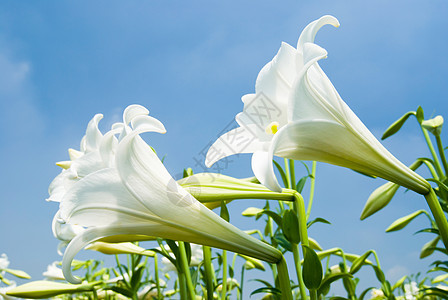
61,62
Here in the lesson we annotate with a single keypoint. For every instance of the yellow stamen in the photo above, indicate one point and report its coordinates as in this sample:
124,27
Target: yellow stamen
272,128
64,164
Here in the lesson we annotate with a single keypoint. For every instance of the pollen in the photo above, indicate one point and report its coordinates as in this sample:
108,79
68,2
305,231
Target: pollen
272,128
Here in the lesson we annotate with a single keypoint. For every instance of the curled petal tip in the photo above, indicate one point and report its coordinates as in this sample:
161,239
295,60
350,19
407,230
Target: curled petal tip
133,111
329,19
310,31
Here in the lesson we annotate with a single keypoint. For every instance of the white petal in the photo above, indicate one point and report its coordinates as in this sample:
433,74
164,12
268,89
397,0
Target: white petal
88,163
310,31
231,239
263,169
108,146
93,134
147,124
302,102
101,199
133,111
330,142
147,179
276,78
239,140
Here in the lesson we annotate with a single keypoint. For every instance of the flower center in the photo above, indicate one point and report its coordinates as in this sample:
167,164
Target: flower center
272,128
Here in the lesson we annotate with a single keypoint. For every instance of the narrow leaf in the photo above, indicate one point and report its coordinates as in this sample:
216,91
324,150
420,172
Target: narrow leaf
397,125
359,262
403,221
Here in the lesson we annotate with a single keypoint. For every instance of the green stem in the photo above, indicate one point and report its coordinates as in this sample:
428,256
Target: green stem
313,294
442,153
182,285
376,259
208,271
240,290
224,275
288,174
433,152
156,272
283,278
299,208
439,216
431,169
186,270
298,265
292,174
312,187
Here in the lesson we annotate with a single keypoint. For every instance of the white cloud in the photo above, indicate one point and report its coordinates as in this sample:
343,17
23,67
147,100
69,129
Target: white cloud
19,115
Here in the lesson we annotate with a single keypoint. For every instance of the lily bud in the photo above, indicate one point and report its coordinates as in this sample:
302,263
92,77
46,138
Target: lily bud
119,248
434,125
379,199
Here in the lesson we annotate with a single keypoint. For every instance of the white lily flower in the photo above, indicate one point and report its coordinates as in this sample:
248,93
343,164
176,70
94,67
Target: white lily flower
296,113
53,272
118,186
4,261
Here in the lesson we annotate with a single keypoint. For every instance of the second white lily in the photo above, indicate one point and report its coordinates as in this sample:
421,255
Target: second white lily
296,113
118,186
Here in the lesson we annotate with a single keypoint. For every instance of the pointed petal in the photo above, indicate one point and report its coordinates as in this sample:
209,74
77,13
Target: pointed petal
93,134
310,31
239,241
330,142
133,111
101,199
239,140
276,78
264,170
147,124
88,163
302,102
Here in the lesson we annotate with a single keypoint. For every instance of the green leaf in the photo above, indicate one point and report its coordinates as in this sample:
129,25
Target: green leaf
224,211
282,241
277,219
18,273
136,277
312,269
301,183
433,291
359,262
317,220
329,279
121,290
290,226
429,247
363,294
399,282
429,230
379,274
403,221
267,290
282,173
338,298
397,125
